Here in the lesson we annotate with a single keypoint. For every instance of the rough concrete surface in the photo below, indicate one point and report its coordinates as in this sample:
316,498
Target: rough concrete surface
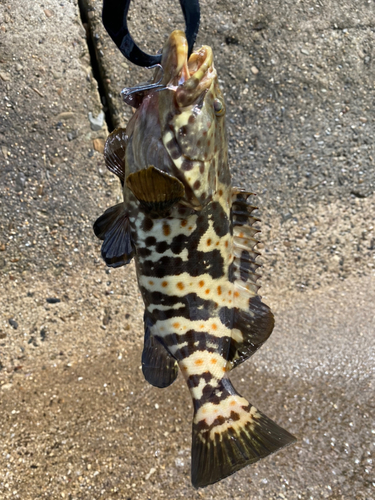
77,420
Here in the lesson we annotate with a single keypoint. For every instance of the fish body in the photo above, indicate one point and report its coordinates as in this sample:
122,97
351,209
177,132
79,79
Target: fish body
192,237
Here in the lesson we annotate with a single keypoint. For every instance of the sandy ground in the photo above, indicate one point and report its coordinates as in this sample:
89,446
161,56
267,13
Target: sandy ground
77,420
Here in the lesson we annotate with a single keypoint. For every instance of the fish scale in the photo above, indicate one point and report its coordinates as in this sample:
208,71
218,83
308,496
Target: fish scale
192,236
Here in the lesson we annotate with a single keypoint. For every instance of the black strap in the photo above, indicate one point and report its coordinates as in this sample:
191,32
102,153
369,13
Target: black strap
115,22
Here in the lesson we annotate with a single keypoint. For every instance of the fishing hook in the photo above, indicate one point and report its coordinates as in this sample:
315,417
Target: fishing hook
114,17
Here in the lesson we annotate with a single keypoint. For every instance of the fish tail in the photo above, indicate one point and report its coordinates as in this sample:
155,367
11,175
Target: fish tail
228,434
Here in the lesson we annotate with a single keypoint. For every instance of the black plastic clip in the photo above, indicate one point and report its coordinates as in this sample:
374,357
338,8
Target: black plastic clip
115,22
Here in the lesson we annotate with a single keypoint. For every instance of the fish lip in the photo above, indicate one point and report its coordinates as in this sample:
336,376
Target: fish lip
189,77
174,59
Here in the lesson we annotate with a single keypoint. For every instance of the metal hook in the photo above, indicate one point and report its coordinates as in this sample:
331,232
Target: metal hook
114,17
134,95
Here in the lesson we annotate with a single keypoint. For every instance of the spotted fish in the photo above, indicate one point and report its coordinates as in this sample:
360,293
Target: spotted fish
192,237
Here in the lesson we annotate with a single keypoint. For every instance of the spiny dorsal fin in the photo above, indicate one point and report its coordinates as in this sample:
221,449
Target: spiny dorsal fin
114,152
244,263
113,227
159,368
253,320
156,190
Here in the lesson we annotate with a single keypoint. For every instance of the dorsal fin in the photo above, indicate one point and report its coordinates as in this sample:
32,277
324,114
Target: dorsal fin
114,152
253,320
244,264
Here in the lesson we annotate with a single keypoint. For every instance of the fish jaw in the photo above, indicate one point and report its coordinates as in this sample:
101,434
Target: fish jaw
174,60
192,122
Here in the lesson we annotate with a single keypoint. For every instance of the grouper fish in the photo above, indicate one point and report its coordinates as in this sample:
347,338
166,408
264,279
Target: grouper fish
192,238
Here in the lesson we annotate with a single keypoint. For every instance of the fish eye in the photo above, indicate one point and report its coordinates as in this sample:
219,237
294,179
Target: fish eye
219,107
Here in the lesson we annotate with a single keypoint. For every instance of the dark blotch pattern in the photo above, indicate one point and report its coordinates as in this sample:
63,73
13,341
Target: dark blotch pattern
147,224
194,380
187,165
150,241
219,219
211,263
193,307
161,247
174,149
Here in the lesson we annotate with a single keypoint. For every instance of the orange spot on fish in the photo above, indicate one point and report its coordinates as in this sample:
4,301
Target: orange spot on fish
232,403
183,223
236,294
207,291
176,325
219,290
150,282
209,241
241,235
166,230
198,362
164,284
217,243
220,192
226,244
214,326
230,292
201,327
213,361
201,283
180,285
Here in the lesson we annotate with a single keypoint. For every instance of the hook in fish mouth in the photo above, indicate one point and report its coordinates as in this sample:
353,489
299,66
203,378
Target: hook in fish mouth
188,76
114,17
134,95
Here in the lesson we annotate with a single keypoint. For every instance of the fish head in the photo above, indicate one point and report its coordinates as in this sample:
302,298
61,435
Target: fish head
192,119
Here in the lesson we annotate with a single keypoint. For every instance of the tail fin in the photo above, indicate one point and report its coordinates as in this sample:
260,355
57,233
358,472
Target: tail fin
230,434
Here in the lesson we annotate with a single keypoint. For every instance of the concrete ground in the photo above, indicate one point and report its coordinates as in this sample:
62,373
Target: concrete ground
77,420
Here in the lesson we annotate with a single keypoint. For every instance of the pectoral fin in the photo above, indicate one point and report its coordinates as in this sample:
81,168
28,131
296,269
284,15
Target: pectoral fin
156,190
113,227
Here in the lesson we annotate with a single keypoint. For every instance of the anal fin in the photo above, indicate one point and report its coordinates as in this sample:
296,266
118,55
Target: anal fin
113,227
159,368
156,190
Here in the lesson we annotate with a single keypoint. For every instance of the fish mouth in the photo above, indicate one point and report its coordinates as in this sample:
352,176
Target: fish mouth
189,77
